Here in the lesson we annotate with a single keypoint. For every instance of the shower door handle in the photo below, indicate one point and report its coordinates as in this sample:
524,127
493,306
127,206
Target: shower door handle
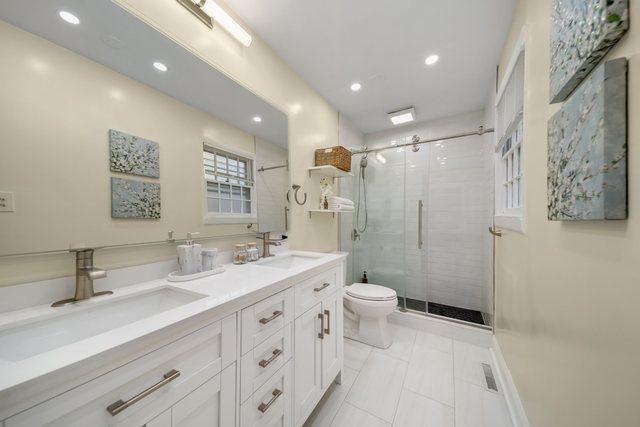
420,205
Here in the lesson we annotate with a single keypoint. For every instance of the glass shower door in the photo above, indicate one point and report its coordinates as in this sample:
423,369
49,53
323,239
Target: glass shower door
379,249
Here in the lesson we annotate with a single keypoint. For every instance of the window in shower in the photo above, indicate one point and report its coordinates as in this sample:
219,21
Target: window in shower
509,200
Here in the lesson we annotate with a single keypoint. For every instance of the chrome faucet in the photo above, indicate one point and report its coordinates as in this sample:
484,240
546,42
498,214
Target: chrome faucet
266,242
86,273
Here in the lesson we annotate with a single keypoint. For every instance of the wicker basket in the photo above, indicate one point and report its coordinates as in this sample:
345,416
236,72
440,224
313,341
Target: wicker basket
337,156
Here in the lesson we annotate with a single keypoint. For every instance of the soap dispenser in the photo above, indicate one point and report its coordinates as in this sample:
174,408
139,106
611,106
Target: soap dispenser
190,256
364,279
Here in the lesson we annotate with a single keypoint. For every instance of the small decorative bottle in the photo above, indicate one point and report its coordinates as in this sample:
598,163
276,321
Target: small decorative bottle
240,254
252,252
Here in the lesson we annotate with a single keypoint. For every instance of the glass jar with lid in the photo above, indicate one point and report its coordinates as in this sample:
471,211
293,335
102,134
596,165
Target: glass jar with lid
240,254
252,252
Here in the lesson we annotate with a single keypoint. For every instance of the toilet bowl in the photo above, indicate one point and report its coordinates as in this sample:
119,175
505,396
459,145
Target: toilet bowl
366,307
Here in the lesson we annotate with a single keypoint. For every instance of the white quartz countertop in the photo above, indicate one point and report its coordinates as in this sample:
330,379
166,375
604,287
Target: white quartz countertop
239,286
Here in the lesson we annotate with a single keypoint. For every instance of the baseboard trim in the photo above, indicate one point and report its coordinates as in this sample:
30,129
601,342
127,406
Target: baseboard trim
458,331
514,404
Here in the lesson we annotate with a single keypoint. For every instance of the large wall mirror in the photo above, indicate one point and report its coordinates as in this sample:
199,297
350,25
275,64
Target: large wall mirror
114,134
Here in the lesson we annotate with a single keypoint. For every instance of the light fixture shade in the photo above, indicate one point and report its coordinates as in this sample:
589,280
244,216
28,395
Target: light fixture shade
220,16
405,115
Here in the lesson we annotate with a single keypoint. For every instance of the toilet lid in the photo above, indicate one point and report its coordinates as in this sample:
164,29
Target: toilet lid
370,292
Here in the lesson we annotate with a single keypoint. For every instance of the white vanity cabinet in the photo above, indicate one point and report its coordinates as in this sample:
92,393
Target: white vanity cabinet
266,364
318,335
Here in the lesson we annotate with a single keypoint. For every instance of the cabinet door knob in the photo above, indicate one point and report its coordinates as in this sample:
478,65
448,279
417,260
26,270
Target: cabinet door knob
321,334
275,315
274,396
116,407
264,363
328,328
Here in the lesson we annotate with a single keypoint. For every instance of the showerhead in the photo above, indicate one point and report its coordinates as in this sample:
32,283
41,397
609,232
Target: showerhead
363,161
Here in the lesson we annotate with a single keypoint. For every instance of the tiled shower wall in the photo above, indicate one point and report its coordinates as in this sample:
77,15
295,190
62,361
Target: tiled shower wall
454,181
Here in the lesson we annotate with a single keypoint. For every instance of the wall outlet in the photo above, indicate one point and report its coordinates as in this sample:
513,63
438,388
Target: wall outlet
6,202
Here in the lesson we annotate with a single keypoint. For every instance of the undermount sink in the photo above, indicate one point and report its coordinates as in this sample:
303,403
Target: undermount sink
287,261
85,320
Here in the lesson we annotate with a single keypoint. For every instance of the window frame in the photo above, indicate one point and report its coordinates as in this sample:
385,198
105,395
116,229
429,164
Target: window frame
506,215
231,217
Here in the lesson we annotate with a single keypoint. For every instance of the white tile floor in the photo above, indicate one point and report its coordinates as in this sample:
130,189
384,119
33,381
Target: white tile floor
422,380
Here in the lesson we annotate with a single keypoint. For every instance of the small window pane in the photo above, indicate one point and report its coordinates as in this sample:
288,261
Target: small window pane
237,206
212,190
225,206
235,192
246,193
225,191
247,207
214,205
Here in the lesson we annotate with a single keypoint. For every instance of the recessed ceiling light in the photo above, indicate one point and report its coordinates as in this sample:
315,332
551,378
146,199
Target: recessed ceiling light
431,59
69,17
160,66
402,116
257,119
356,87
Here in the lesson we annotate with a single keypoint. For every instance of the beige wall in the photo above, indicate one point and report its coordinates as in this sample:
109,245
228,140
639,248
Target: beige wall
567,294
109,100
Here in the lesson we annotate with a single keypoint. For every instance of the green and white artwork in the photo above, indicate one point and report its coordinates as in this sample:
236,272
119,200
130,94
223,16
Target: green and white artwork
582,32
134,199
133,155
587,149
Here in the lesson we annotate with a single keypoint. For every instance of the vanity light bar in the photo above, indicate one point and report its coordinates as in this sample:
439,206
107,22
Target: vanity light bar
207,11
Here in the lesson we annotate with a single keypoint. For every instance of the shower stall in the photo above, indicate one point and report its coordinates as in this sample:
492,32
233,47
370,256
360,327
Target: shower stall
421,224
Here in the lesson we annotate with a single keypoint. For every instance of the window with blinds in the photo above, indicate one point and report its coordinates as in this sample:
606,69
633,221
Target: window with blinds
509,149
229,180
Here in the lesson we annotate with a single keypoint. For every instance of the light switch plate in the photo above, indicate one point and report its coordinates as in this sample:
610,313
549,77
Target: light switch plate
6,202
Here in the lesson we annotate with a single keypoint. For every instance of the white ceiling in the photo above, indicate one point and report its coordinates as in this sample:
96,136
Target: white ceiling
383,45
113,37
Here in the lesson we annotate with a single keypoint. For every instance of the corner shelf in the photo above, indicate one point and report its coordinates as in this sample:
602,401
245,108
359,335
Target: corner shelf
330,171
331,211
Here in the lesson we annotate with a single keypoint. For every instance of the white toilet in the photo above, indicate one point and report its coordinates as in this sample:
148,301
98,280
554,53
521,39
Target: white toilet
366,307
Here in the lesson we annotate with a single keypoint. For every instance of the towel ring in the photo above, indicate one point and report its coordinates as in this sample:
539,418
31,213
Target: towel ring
297,188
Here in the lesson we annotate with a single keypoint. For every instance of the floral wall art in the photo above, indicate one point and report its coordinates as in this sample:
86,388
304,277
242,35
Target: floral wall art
587,149
582,32
133,155
134,199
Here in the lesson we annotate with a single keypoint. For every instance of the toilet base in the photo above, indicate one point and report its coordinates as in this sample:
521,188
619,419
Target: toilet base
374,332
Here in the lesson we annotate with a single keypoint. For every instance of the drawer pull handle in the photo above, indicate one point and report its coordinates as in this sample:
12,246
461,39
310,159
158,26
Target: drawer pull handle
264,363
119,406
324,286
321,334
266,320
328,328
265,406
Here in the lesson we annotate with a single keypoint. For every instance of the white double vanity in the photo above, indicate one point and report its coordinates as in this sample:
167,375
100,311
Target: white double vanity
257,345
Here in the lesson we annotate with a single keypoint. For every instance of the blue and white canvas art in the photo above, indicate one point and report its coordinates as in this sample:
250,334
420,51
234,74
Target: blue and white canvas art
135,199
587,149
133,155
582,32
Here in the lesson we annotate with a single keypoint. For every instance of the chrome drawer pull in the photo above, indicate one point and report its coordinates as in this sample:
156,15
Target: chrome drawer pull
264,363
266,320
265,406
119,406
324,286
328,328
321,334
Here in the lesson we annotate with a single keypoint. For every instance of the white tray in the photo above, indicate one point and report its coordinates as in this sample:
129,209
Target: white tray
176,277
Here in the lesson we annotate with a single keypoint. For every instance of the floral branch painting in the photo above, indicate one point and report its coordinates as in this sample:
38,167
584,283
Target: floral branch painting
133,155
582,32
134,199
587,149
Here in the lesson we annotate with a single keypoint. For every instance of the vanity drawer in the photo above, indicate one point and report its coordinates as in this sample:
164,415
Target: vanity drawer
270,405
264,318
151,384
259,364
315,289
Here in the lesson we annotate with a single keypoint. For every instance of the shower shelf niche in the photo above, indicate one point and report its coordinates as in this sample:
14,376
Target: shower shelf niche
330,171
331,211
